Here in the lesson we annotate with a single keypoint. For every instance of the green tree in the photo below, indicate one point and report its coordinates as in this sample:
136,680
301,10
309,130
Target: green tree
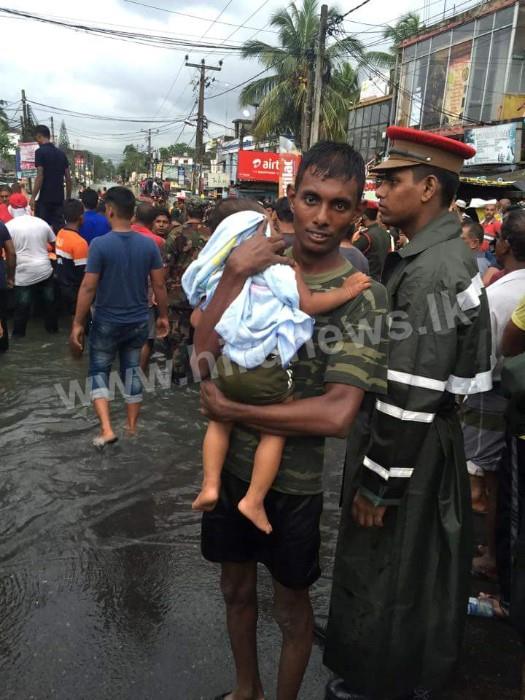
6,146
177,150
282,96
133,161
63,138
406,27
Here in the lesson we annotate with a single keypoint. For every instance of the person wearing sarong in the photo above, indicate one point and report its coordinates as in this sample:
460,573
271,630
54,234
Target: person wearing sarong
401,574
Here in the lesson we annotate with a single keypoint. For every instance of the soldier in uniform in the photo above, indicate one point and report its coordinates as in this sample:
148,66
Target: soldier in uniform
401,575
182,247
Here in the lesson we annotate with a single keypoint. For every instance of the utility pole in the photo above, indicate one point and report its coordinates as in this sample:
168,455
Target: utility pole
201,121
150,159
318,81
307,118
25,117
52,130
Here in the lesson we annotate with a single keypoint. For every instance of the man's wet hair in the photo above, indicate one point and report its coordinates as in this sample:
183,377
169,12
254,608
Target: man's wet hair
89,198
474,231
73,210
513,231
146,214
283,210
42,130
331,159
230,206
122,200
162,211
5,188
370,213
449,181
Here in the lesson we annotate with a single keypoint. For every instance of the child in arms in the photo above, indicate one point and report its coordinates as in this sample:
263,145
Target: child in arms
262,330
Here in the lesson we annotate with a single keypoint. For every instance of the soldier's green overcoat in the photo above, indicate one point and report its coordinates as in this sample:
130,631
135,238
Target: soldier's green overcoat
400,592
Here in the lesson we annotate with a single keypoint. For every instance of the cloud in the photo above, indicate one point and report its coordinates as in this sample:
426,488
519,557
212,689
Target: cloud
97,75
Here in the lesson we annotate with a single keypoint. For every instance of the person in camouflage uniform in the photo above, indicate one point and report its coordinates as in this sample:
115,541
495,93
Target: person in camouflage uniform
183,245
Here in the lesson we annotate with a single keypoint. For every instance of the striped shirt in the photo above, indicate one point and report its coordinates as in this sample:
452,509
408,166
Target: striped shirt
72,252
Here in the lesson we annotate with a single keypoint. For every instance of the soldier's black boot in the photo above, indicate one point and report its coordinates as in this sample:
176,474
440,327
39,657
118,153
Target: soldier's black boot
338,690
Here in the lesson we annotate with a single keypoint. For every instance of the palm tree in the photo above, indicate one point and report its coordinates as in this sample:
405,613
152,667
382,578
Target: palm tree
406,27
282,97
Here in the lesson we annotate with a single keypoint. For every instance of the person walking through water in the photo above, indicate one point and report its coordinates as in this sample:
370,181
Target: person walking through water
401,574
332,375
118,267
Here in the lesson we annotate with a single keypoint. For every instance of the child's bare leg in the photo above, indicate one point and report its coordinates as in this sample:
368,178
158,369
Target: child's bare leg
214,450
265,467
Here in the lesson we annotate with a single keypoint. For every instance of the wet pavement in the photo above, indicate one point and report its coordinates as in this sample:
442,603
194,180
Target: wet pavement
103,592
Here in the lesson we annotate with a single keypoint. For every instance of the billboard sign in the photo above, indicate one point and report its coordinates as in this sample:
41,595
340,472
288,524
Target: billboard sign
495,145
217,180
258,166
27,155
288,167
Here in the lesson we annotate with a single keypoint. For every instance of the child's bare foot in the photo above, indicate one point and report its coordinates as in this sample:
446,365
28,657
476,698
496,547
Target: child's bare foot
256,513
207,499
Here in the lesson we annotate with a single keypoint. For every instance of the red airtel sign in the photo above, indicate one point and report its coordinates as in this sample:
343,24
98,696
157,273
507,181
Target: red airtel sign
258,166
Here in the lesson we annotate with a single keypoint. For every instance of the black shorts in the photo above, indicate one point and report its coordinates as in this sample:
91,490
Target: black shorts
290,553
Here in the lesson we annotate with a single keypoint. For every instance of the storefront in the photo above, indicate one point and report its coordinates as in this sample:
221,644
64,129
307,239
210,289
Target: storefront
469,70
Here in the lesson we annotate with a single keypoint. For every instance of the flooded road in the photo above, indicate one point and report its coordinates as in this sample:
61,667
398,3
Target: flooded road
103,592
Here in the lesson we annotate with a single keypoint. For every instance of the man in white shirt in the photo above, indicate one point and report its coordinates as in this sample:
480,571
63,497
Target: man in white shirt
484,414
33,273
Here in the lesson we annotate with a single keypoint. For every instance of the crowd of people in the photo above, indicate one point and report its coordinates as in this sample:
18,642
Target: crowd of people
396,323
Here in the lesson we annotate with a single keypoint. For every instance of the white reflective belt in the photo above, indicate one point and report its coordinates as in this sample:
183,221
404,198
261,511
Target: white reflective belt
401,414
469,298
399,473
470,385
63,253
415,380
377,468
81,261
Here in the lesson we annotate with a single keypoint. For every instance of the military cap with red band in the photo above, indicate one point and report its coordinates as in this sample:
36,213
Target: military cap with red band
410,147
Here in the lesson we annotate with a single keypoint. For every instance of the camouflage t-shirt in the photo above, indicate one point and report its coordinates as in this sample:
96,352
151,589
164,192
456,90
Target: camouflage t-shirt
183,245
349,346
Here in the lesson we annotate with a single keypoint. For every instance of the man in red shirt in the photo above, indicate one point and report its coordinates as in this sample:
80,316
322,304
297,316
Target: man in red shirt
145,215
5,214
491,226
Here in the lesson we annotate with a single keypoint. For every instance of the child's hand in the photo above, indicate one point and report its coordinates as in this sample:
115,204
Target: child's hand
356,283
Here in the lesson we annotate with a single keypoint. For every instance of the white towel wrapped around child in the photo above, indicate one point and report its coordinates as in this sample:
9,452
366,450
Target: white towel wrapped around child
265,318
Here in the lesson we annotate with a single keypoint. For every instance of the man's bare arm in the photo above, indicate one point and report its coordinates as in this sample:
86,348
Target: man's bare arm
328,415
10,258
69,184
85,297
513,342
37,186
158,282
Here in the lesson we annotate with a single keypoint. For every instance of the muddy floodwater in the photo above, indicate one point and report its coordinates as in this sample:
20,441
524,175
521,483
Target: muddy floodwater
103,592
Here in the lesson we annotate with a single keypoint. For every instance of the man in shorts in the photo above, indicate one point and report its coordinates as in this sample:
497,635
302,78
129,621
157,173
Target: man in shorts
332,375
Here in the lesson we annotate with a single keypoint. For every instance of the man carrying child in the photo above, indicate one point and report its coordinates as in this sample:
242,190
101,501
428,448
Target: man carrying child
332,374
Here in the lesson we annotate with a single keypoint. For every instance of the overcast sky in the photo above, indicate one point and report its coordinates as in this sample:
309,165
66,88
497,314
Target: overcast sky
96,75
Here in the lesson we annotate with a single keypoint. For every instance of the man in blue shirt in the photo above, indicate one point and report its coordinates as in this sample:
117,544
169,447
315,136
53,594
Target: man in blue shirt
94,223
118,267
